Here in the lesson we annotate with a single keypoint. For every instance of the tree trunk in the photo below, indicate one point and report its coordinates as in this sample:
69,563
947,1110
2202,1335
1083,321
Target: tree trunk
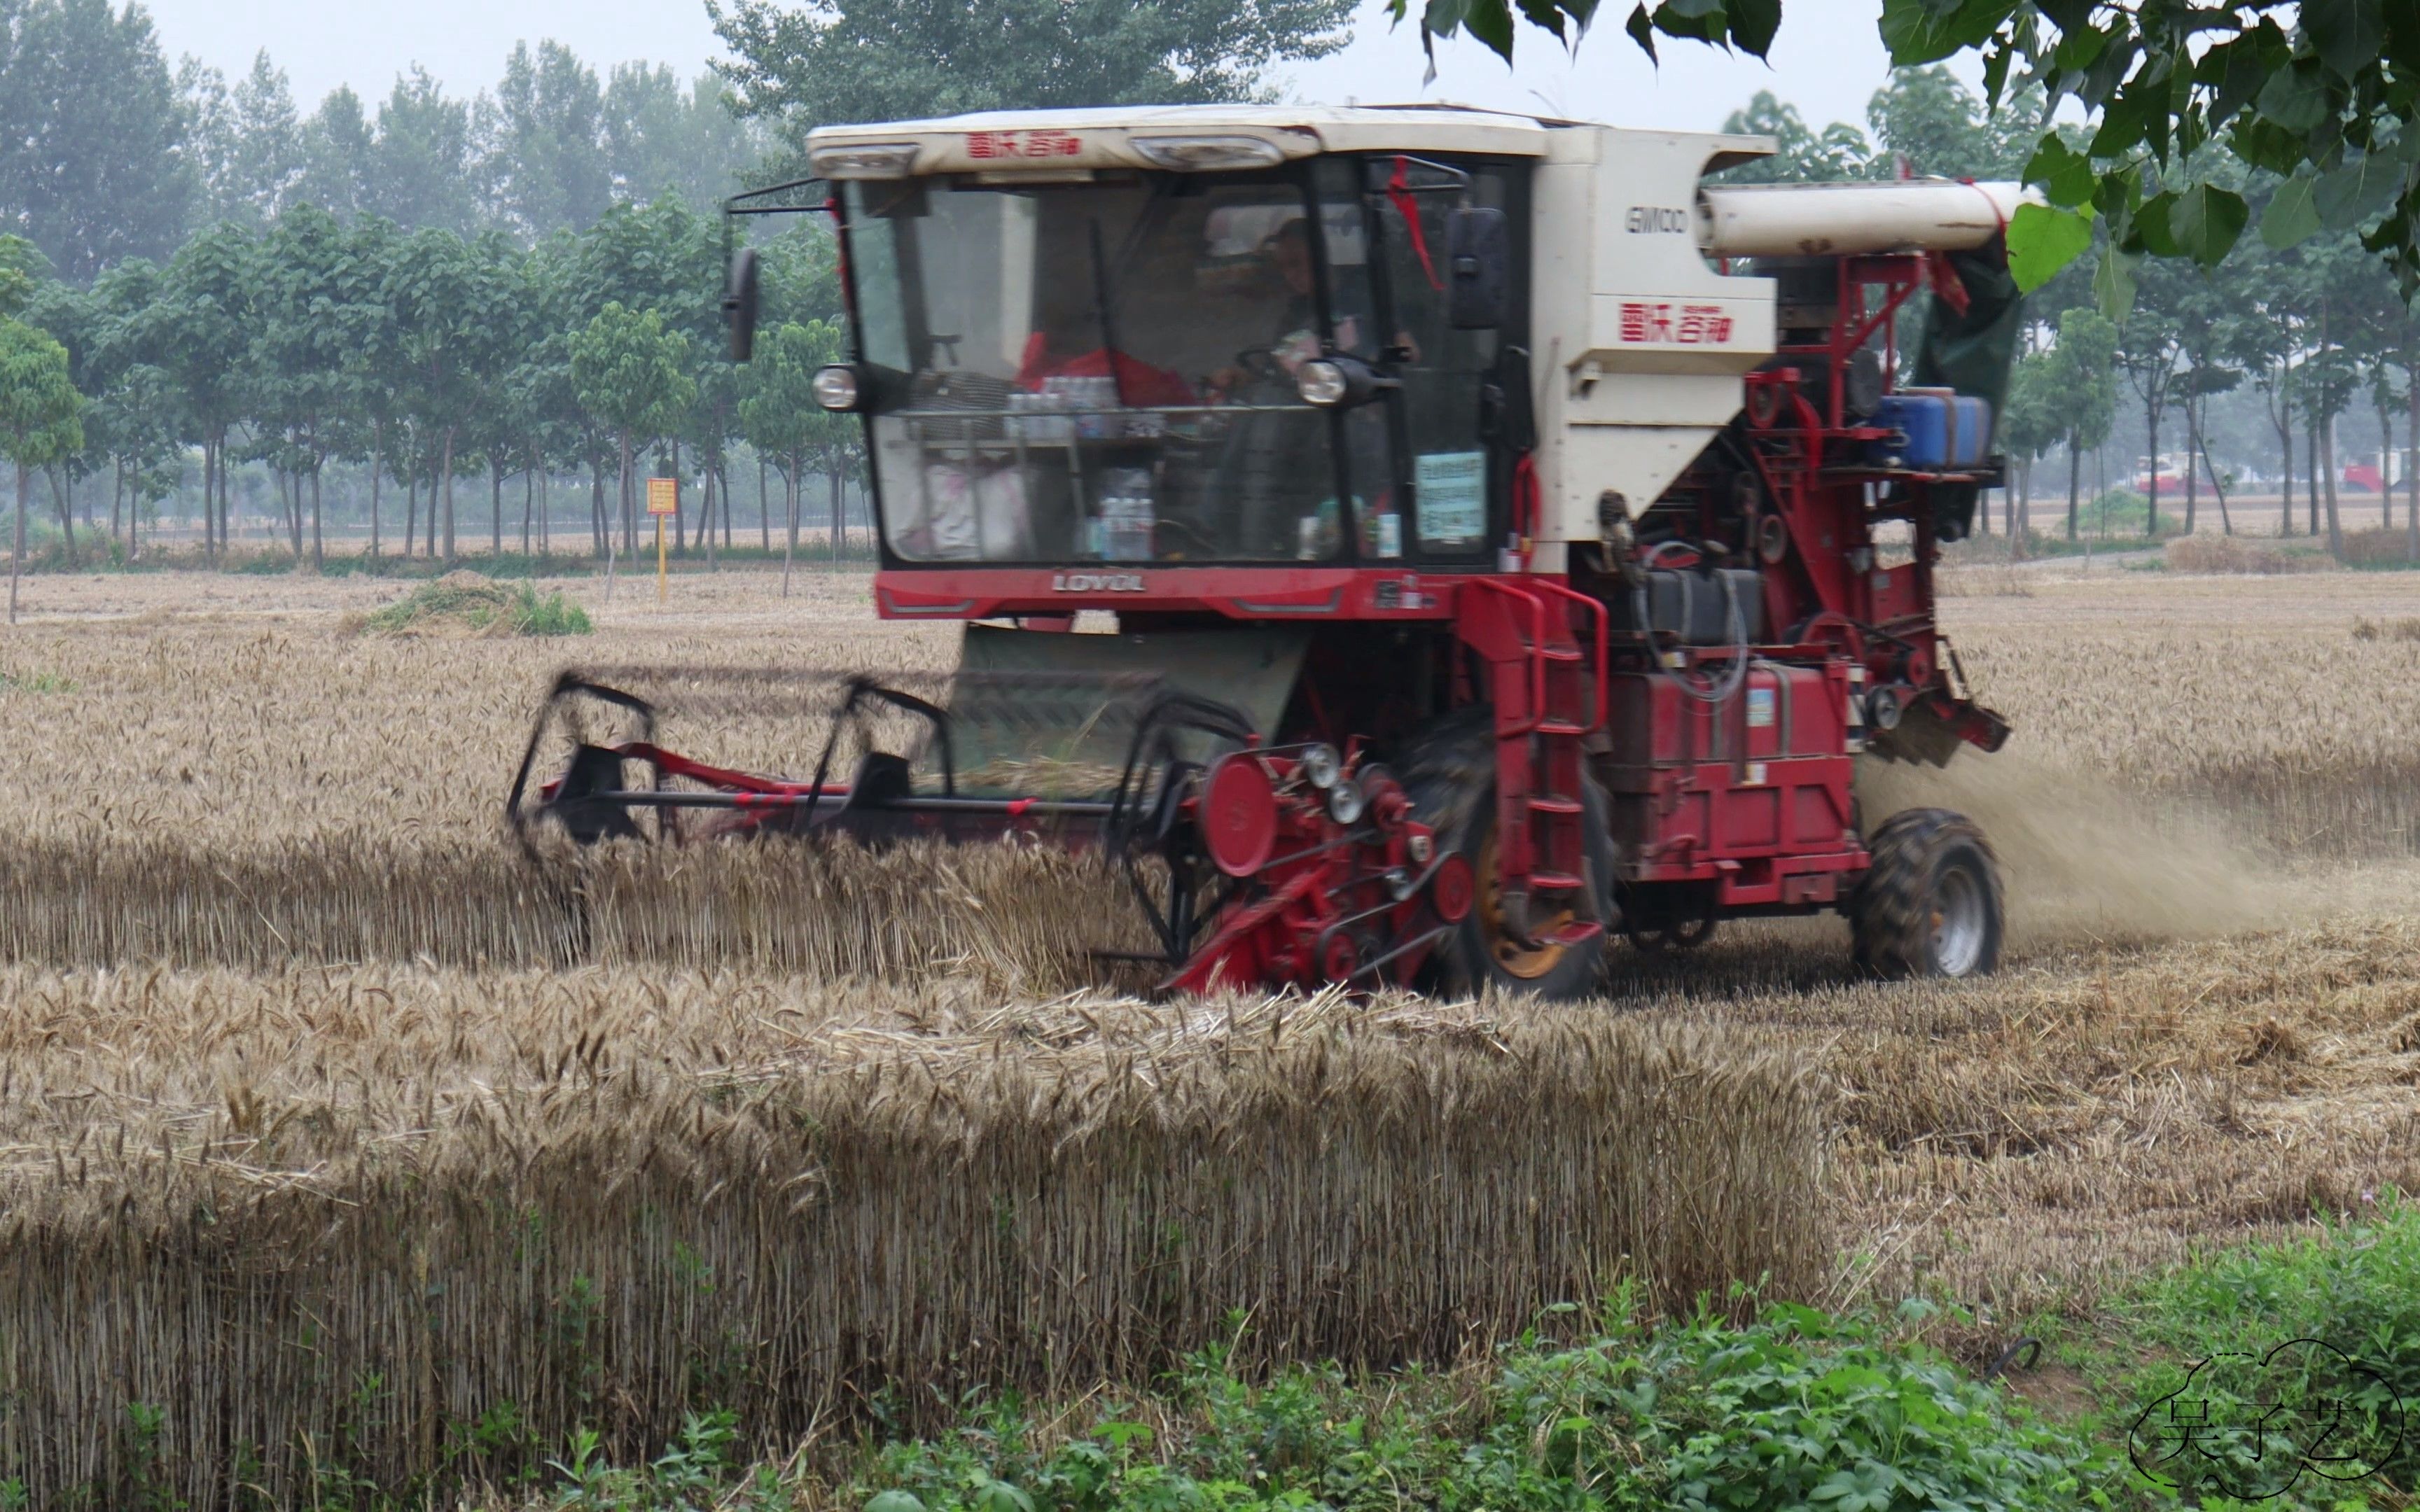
210,488
630,518
2022,500
2218,488
117,498
529,500
2311,450
2286,471
706,517
831,474
790,542
2385,453
318,550
447,467
599,529
2151,513
2202,450
495,503
2192,469
630,508
378,466
66,508
2335,524
2412,464
764,503
2075,486
17,558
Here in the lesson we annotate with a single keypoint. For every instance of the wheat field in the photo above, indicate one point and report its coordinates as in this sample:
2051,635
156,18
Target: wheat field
310,1082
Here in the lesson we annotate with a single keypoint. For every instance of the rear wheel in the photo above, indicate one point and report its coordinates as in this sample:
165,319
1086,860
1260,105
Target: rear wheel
1449,771
1930,905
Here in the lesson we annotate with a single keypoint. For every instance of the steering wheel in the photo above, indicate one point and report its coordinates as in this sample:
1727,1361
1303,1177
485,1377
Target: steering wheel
1261,364
1200,537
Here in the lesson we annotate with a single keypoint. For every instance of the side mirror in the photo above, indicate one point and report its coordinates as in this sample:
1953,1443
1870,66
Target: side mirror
1478,268
740,305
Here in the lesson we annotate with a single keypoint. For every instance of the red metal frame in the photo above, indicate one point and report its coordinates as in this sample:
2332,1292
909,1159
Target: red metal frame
1278,592
1702,796
1727,788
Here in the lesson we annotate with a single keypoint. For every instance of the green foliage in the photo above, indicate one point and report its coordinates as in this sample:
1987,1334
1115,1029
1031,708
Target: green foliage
631,372
2065,393
477,605
1800,154
1796,1409
870,60
692,1472
2353,1287
145,1491
2123,512
2321,90
778,412
1746,25
2043,239
40,412
93,174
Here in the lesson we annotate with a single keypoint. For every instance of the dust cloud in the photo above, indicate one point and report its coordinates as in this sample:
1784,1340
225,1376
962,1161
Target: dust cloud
2083,859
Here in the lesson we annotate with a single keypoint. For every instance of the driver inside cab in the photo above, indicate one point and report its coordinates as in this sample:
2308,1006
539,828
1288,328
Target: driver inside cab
1287,255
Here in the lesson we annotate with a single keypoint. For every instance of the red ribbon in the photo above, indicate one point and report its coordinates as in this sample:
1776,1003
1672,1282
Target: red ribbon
831,207
1525,502
1397,189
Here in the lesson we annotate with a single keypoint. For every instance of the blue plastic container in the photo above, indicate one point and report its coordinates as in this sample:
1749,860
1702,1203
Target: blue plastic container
1943,430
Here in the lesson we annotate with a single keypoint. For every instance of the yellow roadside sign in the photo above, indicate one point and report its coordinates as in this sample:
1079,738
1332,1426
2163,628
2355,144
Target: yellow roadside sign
663,497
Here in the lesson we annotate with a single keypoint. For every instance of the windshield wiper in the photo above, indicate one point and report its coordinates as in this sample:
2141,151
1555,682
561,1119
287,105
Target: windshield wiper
1101,310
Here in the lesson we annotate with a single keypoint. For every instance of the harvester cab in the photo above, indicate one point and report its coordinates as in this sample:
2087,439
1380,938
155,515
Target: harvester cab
1418,544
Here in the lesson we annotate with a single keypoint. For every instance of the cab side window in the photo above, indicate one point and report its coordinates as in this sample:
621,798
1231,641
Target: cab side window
1455,483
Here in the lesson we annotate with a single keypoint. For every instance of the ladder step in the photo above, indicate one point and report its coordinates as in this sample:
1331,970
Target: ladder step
1578,932
1554,882
1551,803
1560,653
1560,727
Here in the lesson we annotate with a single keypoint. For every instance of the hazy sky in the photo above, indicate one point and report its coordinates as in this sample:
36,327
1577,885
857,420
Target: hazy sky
1827,59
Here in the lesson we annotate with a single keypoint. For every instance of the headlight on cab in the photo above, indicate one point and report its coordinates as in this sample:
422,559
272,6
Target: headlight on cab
836,387
1322,382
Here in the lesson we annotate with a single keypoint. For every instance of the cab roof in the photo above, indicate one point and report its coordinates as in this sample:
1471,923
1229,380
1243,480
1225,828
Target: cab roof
1296,131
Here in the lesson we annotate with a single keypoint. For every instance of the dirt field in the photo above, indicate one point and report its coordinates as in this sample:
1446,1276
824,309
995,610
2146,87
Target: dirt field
2210,1022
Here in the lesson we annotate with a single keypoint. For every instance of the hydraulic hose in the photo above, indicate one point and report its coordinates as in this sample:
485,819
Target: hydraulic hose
1729,684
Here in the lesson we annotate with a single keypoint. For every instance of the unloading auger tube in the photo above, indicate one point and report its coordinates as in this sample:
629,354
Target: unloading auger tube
1292,865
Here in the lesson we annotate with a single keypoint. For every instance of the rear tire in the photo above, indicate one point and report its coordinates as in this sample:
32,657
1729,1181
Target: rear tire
1930,905
1449,771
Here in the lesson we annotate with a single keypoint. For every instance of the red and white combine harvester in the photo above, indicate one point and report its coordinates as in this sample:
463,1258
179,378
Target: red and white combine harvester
1508,537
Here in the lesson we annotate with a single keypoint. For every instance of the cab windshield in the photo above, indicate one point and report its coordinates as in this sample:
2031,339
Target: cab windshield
1104,371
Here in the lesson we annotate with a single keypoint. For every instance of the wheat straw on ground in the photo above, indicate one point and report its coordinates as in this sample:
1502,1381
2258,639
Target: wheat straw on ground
362,1209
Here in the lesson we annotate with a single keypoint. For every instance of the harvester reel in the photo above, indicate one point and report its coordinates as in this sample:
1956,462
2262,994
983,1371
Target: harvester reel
1262,865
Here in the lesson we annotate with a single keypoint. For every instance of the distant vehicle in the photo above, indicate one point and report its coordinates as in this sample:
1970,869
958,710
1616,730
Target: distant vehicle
2364,477
2172,471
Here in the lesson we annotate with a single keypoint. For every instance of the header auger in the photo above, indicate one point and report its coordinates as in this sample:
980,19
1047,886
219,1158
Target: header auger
1513,536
